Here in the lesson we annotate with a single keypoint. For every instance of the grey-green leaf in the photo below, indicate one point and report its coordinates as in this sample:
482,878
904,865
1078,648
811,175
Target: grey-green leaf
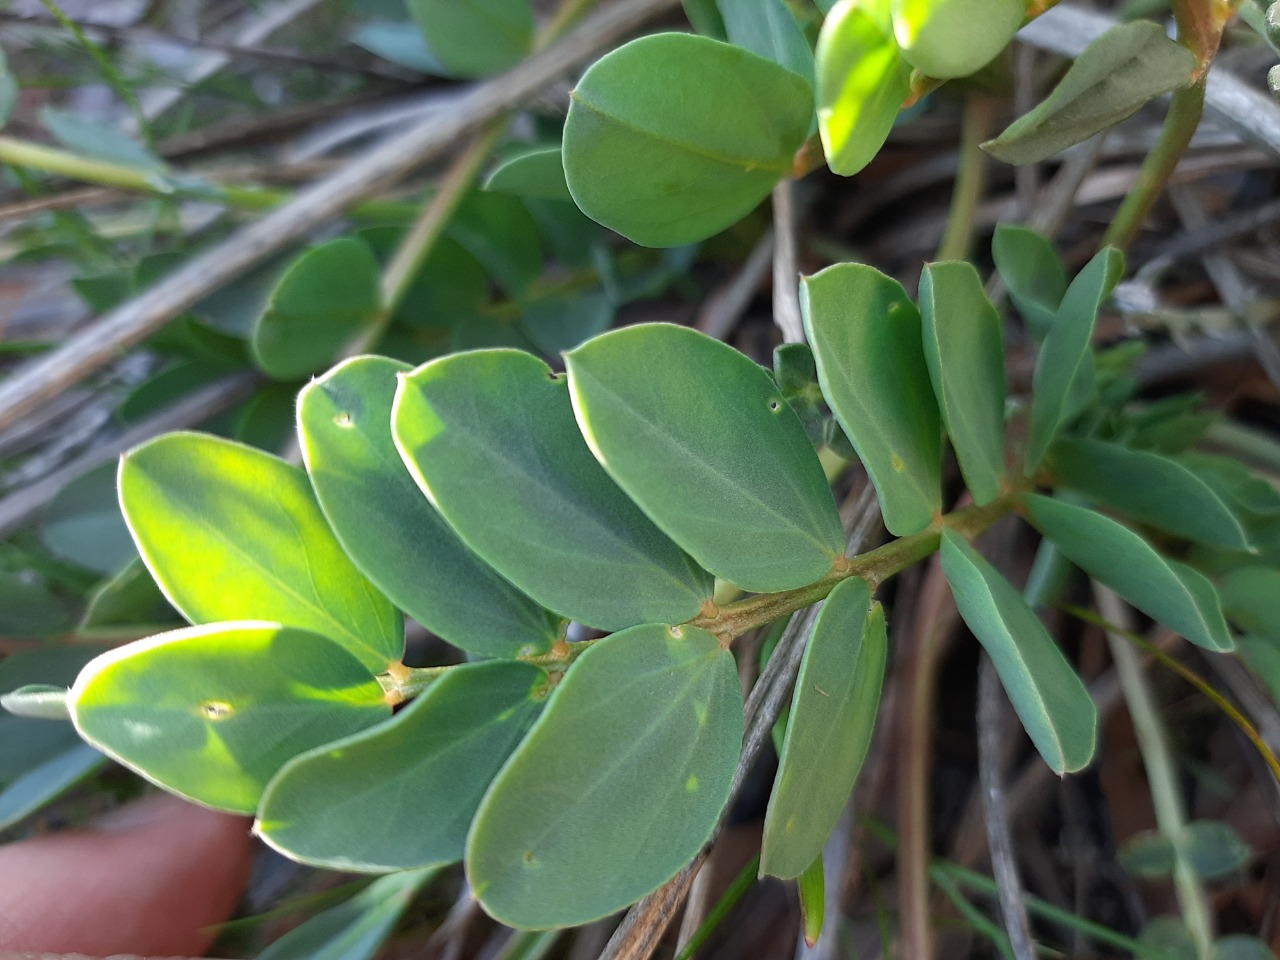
475,38
93,138
866,337
833,714
1165,590
536,172
1115,75
630,764
1051,701
1150,488
665,171
231,533
391,532
1032,273
964,350
355,929
323,300
769,28
699,436
403,794
490,437
1064,355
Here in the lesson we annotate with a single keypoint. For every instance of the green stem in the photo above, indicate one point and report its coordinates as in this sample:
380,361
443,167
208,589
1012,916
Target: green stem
113,77
34,156
1149,730
1179,127
971,178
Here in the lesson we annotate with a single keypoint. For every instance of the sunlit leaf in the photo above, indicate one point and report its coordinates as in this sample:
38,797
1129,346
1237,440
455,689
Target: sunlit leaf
1165,590
699,436
665,171
490,437
1051,701
833,713
630,764
866,336
211,713
954,38
862,81
389,529
232,533
403,794
964,350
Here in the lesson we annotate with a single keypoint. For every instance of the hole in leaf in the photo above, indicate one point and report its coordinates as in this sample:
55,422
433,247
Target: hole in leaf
775,405
676,632
344,420
215,709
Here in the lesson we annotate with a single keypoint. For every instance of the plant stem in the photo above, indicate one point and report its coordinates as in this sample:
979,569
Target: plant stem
971,178
1180,125
35,156
1170,818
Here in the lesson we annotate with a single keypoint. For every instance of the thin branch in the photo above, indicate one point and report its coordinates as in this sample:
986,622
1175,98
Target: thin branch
103,340
786,265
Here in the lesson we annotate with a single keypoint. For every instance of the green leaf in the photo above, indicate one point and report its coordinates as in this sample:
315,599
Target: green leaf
211,713
402,795
390,531
1251,598
1170,937
560,323
704,16
323,300
1240,946
490,438
8,90
100,141
267,420
1063,363
399,42
866,336
964,350
355,929
954,38
451,286
233,533
700,437
536,172
630,764
30,608
1167,591
1150,488
1116,74
862,82
83,525
166,388
812,887
833,712
500,232
127,604
665,171
1053,705
37,701
1032,273
769,28
1212,849
475,38
48,781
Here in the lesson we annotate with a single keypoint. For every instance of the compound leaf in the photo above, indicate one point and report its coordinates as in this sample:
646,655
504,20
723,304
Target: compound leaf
1114,76
320,303
391,532
866,337
630,763
1051,701
862,82
211,713
402,795
231,533
667,170
1169,592
833,713
964,350
1149,488
490,438
699,436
